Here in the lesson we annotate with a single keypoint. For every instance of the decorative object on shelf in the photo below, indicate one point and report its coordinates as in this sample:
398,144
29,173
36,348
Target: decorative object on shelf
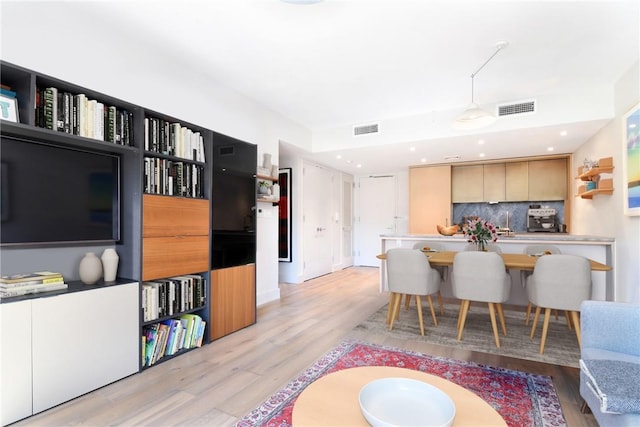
90,268
264,187
480,232
284,216
448,231
275,171
631,161
110,260
266,161
475,117
8,108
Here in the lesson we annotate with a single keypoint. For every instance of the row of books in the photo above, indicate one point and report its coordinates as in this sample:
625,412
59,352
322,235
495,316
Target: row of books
78,115
170,336
173,178
173,139
173,295
30,283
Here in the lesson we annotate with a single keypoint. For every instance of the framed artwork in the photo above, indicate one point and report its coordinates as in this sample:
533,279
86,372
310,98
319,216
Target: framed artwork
631,161
8,108
284,216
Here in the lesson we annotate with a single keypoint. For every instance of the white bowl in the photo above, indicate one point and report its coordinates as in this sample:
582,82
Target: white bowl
547,225
405,402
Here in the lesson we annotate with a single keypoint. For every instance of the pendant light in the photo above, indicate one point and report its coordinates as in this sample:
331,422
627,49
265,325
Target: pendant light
475,117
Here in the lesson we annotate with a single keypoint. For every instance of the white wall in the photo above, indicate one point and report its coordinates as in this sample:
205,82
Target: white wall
48,39
604,215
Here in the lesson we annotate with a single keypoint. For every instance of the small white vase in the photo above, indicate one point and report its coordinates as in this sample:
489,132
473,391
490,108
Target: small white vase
266,161
90,268
110,260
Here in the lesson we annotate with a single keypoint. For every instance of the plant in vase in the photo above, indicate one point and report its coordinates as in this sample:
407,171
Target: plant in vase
480,232
264,187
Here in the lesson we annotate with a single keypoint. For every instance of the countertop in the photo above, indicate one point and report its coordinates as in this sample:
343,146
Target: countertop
547,237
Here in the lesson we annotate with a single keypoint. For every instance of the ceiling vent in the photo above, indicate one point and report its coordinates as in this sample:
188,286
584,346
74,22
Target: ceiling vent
365,129
516,108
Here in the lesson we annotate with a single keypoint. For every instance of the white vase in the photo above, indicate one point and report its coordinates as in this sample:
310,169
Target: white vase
110,260
90,268
266,162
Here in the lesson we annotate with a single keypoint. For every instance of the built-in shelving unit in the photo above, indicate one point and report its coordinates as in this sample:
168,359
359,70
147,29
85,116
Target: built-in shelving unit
165,191
593,178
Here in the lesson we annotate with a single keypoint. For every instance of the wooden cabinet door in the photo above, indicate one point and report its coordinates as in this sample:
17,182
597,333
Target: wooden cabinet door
494,182
429,198
174,216
232,303
516,181
467,184
172,256
547,179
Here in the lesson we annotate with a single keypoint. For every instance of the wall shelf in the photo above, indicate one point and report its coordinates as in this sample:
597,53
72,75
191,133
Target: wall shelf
602,186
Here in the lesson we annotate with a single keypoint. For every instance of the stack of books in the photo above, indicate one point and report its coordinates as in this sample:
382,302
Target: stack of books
30,283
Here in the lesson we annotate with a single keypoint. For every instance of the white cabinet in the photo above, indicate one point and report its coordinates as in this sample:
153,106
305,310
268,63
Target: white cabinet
57,348
15,361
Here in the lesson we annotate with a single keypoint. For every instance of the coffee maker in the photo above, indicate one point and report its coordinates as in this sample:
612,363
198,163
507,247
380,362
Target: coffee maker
541,219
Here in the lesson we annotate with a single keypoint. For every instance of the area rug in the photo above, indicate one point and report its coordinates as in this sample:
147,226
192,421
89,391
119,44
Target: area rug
561,347
522,399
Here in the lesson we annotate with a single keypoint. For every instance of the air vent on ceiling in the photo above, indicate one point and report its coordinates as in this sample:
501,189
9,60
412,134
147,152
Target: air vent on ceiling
365,129
516,108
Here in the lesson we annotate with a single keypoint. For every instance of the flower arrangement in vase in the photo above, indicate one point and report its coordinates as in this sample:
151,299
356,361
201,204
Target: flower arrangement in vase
480,232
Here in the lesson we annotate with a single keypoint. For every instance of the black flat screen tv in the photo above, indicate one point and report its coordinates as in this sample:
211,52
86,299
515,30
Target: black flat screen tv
56,195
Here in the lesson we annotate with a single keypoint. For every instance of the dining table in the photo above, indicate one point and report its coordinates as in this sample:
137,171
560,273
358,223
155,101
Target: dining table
511,261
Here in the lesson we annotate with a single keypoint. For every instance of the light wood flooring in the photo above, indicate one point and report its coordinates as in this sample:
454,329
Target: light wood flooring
221,382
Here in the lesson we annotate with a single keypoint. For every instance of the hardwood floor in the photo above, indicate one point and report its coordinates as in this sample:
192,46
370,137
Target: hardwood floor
221,382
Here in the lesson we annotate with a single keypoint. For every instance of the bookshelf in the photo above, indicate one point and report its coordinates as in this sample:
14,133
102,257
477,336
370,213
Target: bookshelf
165,181
594,184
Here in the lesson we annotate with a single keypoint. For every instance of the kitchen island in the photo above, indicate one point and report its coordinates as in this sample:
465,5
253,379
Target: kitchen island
597,248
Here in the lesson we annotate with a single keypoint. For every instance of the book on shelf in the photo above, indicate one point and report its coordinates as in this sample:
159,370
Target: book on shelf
15,292
31,284
27,277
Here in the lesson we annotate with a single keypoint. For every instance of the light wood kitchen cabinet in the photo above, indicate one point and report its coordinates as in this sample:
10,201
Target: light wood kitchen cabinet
233,299
548,179
516,181
467,184
429,198
494,182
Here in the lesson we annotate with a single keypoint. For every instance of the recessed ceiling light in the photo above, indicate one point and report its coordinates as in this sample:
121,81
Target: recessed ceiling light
358,165
481,141
339,156
481,154
349,161
423,160
412,148
549,148
563,133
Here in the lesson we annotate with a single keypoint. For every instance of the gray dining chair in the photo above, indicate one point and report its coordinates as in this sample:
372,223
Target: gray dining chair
481,276
409,273
534,250
559,282
443,270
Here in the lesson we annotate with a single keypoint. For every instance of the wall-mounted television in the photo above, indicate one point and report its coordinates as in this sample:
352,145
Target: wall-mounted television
57,195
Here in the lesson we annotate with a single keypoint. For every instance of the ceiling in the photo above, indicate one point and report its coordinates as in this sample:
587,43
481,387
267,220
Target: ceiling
406,65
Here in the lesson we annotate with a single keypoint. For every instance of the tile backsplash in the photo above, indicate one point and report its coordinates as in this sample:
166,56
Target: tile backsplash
496,213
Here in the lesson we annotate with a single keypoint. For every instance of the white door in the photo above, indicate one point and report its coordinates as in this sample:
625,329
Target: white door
347,221
316,218
376,215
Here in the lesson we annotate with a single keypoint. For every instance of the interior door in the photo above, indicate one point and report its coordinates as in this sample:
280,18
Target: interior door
347,221
316,217
377,202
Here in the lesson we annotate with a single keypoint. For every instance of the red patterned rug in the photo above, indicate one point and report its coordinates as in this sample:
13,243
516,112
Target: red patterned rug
522,399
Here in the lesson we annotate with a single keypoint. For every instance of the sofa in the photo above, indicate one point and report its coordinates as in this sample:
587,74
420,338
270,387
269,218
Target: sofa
610,361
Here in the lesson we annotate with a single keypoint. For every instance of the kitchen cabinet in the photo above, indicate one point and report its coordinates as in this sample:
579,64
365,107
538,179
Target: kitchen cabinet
548,179
233,299
494,182
429,198
516,181
467,184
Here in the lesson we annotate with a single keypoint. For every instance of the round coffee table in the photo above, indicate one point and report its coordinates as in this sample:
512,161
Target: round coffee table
333,399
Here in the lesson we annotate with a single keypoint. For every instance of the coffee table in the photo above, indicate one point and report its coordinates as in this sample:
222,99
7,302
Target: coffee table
333,399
